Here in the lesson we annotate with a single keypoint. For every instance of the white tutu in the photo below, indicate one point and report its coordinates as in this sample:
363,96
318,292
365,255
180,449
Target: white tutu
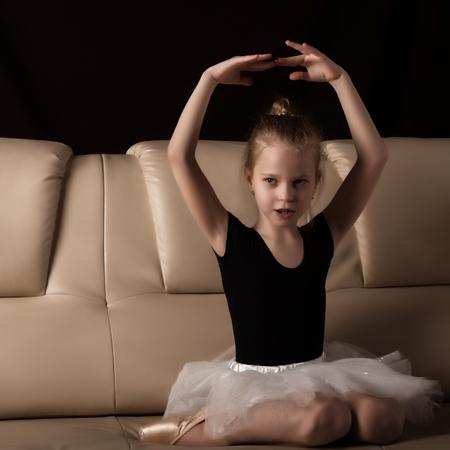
229,389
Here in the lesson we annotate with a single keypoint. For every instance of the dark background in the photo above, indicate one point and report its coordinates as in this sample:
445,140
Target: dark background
103,75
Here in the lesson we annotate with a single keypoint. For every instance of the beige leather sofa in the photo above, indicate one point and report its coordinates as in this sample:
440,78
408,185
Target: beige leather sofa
107,286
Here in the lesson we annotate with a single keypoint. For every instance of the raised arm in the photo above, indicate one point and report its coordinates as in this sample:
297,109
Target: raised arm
200,198
355,191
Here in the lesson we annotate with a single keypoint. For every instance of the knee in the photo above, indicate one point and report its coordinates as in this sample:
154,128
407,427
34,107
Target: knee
382,420
390,419
330,419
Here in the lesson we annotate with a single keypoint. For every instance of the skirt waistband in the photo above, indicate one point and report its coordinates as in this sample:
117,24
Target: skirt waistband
240,367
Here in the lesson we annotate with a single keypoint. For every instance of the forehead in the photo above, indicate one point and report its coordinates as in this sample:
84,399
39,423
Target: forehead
280,159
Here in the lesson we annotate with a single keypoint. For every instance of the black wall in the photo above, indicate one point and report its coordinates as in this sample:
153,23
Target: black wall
103,75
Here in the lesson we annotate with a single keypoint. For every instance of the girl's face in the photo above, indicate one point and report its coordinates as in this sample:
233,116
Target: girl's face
283,183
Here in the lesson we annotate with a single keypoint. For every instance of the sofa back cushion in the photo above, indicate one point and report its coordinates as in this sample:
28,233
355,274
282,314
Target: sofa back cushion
403,232
30,184
188,263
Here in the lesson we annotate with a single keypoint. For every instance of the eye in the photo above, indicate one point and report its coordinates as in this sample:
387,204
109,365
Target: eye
296,182
270,180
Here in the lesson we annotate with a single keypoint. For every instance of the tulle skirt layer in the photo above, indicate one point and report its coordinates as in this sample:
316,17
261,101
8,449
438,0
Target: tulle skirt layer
229,390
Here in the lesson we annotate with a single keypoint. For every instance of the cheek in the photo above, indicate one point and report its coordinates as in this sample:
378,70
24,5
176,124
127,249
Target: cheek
263,195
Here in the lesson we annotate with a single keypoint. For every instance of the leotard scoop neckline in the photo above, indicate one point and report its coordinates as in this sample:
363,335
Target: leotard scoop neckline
275,260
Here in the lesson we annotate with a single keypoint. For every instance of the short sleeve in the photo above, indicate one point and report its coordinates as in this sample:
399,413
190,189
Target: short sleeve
319,232
235,230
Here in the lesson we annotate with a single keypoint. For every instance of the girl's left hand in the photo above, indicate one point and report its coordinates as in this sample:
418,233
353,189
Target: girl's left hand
319,67
230,71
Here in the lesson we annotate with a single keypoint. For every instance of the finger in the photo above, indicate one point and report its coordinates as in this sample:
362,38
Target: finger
259,66
291,61
246,81
264,56
295,76
295,45
245,59
254,62
304,48
253,58
309,49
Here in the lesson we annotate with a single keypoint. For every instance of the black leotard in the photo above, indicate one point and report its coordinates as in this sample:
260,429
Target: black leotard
278,313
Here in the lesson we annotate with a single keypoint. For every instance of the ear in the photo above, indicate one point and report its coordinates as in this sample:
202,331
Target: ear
248,178
317,186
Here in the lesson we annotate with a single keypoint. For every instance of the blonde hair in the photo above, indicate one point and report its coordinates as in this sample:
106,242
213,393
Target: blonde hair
285,125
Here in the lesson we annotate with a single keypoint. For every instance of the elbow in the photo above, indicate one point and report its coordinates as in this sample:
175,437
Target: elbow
384,155
380,156
375,160
178,156
173,154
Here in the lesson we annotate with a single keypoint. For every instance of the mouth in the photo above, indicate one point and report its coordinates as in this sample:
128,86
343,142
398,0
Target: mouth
284,213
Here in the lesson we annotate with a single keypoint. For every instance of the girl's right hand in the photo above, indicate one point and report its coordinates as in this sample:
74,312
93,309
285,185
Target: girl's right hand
230,71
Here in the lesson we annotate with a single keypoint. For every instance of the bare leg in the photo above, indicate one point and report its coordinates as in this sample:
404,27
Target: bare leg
375,420
322,421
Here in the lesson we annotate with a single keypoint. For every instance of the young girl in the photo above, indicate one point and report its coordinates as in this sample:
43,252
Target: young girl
282,387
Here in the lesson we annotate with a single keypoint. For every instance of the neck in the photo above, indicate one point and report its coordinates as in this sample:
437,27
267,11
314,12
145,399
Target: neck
269,231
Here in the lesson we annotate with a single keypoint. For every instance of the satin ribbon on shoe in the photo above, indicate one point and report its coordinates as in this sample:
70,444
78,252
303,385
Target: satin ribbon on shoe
169,431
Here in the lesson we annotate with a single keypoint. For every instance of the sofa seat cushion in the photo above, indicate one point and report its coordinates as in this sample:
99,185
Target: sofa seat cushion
56,357
87,433
121,433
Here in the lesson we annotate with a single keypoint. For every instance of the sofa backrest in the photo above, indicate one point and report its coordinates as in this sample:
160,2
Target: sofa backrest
396,236
30,184
107,286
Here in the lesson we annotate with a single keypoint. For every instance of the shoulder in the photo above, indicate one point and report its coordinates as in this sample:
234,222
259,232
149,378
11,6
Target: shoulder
234,225
318,224
318,233
237,235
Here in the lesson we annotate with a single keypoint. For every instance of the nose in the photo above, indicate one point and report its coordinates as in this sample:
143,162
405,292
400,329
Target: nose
286,192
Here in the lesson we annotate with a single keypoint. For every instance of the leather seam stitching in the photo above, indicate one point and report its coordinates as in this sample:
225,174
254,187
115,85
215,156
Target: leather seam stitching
113,359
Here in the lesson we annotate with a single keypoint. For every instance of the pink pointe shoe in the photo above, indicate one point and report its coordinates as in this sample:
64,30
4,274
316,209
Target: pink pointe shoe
169,431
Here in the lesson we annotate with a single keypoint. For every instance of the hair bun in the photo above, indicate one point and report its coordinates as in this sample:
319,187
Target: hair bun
283,107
